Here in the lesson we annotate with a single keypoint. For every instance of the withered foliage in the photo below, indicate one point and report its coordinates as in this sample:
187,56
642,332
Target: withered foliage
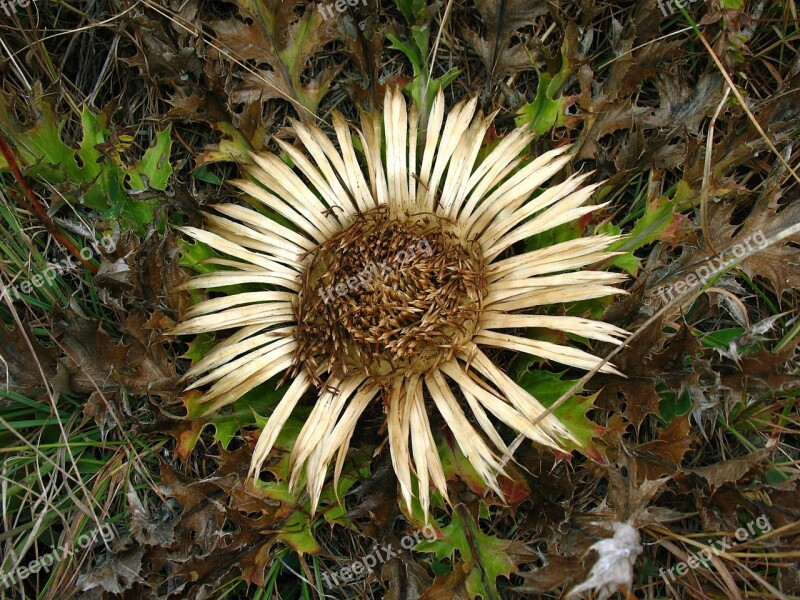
699,438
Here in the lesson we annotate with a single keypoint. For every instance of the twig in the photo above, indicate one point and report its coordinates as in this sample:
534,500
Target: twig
38,209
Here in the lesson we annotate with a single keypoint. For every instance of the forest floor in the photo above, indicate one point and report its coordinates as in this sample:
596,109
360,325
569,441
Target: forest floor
120,120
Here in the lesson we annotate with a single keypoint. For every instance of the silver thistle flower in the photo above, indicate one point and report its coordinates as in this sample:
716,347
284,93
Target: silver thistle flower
412,329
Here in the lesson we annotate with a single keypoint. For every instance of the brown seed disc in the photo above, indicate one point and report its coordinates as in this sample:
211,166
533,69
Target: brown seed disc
388,296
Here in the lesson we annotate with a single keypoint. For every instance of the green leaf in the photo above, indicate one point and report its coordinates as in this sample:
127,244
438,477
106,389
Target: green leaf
234,147
628,262
203,174
658,219
154,170
484,557
556,235
40,147
411,51
547,388
548,108
193,255
297,533
546,111
199,347
673,405
231,418
95,169
722,338
455,464
422,89
413,10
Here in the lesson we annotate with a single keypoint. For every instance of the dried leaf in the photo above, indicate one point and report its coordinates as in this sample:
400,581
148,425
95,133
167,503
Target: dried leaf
407,580
21,367
731,470
448,587
650,359
664,455
97,362
144,527
778,263
614,103
277,38
118,574
502,19
558,572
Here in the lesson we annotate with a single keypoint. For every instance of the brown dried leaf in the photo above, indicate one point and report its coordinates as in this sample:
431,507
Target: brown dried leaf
407,580
285,43
502,19
742,144
378,502
448,587
96,362
558,572
22,367
732,470
650,358
156,275
145,528
779,263
722,509
629,491
206,108
166,49
615,103
365,48
224,524
117,575
664,455
551,490
764,370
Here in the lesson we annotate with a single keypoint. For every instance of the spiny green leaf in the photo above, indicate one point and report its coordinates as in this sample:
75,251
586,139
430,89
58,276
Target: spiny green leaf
199,347
658,218
546,110
234,147
547,388
95,169
484,557
413,10
422,88
230,419
154,169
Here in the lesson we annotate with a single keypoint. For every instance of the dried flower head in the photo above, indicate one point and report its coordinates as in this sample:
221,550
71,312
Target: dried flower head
388,284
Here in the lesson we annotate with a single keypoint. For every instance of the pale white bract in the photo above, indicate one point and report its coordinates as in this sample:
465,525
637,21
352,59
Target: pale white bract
488,205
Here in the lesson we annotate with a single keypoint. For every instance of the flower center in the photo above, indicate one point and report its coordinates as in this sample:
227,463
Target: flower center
388,296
